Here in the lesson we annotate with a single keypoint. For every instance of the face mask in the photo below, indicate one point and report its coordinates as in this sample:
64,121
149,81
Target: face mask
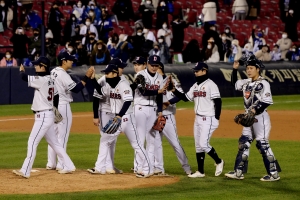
146,30
91,14
23,12
139,33
148,2
73,18
213,28
92,38
36,34
87,23
93,7
162,4
70,49
79,5
223,37
8,56
294,50
160,40
65,2
259,35
99,48
209,46
164,26
226,31
155,50
290,11
2,4
284,36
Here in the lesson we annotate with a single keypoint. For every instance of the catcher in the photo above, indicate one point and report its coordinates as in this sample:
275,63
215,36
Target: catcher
256,120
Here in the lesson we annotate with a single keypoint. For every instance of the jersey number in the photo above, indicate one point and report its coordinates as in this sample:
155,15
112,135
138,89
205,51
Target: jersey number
50,92
125,120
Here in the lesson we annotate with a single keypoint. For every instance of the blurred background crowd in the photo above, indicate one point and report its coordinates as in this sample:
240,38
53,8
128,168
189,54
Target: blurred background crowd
179,31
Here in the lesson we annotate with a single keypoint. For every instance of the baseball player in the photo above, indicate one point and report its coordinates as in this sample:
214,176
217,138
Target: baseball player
42,107
65,85
120,97
147,105
170,130
257,97
206,95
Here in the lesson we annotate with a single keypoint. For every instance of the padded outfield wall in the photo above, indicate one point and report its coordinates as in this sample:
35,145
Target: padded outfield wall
284,78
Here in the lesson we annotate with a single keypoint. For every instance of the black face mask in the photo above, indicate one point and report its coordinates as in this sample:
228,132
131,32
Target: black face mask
43,73
201,79
36,34
113,82
155,50
92,38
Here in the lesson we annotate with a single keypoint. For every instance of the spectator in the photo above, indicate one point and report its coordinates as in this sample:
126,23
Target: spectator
211,54
35,43
138,43
124,49
32,20
6,14
276,54
212,33
264,54
8,60
240,9
20,42
284,44
162,14
86,29
79,8
256,39
81,53
50,48
104,26
147,11
209,12
191,53
100,54
162,50
293,54
166,32
93,12
149,35
254,9
217,5
248,48
123,9
70,28
235,52
73,51
291,21
225,47
54,23
88,45
178,33
112,45
228,33
285,5
28,61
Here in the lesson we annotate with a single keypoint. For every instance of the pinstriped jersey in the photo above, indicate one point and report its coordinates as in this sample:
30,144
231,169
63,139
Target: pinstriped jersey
254,92
118,95
43,93
168,95
152,83
203,95
64,84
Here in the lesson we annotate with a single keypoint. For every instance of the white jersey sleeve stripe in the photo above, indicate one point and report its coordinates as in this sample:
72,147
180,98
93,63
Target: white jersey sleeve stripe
71,86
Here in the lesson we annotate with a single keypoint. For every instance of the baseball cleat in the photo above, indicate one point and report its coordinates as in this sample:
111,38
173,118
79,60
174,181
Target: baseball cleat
65,171
118,171
219,168
269,178
94,171
50,168
142,175
197,174
233,175
110,171
19,173
157,172
188,172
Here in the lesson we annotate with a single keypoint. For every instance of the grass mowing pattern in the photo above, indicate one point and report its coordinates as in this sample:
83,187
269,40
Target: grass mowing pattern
83,150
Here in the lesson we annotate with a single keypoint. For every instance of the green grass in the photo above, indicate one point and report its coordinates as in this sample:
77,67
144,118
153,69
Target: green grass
287,102
13,152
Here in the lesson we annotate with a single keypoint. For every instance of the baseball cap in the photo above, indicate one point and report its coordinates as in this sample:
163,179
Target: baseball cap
118,62
154,60
42,61
139,60
65,56
200,66
110,68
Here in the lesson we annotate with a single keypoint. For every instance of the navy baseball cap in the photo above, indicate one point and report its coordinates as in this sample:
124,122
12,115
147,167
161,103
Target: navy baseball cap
154,60
118,62
139,60
42,61
200,66
111,68
65,56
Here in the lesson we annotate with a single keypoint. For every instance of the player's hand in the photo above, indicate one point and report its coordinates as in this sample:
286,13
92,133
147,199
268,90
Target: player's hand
96,122
89,72
160,114
236,64
93,73
165,105
22,69
162,90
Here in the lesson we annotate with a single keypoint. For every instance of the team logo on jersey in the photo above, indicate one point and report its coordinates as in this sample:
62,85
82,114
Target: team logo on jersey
268,94
199,94
247,94
115,96
152,87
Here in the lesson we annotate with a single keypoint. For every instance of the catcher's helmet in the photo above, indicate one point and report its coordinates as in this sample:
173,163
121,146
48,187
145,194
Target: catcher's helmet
250,59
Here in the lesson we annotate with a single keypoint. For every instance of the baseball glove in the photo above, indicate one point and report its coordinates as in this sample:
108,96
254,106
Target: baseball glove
57,116
140,81
112,125
160,123
246,119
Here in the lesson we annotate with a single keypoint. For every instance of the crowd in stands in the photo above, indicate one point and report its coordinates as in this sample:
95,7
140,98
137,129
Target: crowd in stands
90,31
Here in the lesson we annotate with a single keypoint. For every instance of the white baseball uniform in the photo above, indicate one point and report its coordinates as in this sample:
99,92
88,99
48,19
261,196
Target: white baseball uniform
42,106
170,129
64,85
145,111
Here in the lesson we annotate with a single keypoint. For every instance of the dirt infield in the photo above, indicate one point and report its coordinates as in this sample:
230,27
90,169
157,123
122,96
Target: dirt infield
284,127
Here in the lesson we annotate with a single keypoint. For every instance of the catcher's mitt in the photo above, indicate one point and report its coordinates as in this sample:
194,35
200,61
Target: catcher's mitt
112,125
160,123
246,119
57,116
140,81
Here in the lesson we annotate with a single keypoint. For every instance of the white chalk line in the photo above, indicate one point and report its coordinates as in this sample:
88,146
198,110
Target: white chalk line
22,119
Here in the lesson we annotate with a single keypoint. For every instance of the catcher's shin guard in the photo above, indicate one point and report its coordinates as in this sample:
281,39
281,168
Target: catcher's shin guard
241,161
